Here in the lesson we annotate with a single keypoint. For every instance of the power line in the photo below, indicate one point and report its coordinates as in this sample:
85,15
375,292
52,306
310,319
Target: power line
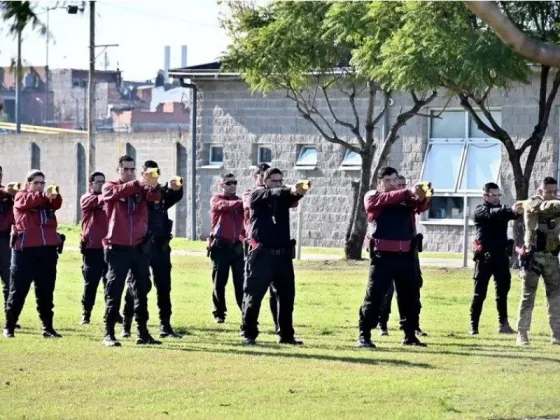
158,16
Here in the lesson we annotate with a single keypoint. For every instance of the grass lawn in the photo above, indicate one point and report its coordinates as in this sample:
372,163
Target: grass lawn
72,233
209,375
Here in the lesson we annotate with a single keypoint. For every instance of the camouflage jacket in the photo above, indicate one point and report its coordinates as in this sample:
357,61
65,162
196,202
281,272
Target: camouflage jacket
542,224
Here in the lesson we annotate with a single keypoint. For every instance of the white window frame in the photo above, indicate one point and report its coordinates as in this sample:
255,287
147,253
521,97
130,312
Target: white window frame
456,191
259,161
215,162
350,166
305,166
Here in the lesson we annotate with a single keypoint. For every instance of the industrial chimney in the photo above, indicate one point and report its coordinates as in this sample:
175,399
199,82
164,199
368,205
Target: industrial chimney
183,56
166,63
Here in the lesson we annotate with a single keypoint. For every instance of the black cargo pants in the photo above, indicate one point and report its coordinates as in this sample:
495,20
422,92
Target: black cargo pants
120,260
5,261
94,269
160,262
492,264
225,257
32,265
386,267
385,311
273,299
269,268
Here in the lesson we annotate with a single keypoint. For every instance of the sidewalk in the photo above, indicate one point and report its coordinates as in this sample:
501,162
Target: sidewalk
428,262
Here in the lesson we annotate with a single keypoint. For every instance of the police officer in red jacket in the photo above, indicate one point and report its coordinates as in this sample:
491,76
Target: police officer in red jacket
127,246
258,175
6,221
386,304
160,228
226,246
94,229
392,255
34,257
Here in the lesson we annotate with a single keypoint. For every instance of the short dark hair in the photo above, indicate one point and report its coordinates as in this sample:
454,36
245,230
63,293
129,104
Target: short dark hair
125,158
386,171
261,168
33,173
227,175
549,181
150,164
490,186
1,169
401,177
93,175
271,171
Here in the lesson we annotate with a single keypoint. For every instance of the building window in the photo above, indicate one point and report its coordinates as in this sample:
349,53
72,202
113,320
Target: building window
264,155
216,155
307,158
452,208
352,160
459,160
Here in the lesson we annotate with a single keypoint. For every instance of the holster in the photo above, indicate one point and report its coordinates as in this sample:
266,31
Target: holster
509,247
420,245
254,250
83,244
526,258
145,247
13,240
417,242
293,248
60,247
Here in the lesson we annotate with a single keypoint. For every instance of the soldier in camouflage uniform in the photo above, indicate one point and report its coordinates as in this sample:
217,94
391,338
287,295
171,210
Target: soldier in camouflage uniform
540,258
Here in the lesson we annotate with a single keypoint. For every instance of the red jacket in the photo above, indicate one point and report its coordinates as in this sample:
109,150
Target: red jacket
375,201
94,220
226,216
6,210
35,220
126,205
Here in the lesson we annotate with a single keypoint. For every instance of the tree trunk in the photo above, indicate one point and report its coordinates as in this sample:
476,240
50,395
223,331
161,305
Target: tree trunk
354,244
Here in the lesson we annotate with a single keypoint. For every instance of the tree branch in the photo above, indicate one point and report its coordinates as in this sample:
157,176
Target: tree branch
307,113
353,128
524,45
392,135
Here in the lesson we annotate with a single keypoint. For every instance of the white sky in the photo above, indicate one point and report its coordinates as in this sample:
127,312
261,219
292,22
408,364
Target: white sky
141,28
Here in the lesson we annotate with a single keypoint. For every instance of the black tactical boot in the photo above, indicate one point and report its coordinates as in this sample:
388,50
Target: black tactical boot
292,341
383,330
127,324
86,318
49,332
109,340
410,339
505,328
9,333
165,330
144,337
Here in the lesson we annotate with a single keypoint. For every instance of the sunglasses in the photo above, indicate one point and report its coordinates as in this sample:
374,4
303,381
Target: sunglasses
38,182
230,183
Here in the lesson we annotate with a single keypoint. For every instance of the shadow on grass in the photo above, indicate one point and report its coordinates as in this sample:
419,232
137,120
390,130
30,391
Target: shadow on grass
306,356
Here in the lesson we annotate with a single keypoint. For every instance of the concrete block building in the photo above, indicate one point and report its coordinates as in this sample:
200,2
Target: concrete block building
238,129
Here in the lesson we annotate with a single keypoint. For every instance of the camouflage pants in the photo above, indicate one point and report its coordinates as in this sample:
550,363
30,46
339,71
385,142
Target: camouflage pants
549,268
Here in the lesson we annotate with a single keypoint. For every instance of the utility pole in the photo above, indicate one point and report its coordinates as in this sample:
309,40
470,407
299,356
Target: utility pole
91,92
18,82
46,104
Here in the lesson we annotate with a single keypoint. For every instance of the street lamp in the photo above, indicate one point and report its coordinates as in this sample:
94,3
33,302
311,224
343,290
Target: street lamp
71,10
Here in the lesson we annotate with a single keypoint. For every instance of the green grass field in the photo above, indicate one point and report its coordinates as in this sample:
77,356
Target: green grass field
209,374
